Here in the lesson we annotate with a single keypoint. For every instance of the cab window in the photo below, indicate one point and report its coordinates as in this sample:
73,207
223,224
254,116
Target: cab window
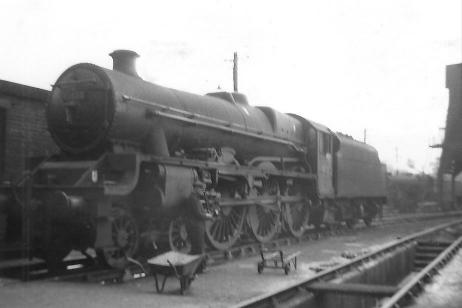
326,144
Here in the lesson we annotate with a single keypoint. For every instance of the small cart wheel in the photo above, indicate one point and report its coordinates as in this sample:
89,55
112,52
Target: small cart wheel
287,269
260,268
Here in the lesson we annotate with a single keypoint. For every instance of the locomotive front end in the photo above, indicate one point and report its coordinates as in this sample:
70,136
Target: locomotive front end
81,109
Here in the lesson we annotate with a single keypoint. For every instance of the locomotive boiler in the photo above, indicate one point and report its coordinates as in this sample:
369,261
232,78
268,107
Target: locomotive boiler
93,108
133,150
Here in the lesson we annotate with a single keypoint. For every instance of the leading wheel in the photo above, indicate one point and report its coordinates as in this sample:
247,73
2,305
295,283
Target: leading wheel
125,239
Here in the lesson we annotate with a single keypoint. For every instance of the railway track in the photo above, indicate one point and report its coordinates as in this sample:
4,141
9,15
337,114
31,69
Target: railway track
390,277
88,270
245,249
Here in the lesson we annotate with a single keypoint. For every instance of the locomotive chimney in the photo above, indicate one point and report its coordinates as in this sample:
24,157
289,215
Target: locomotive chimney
124,62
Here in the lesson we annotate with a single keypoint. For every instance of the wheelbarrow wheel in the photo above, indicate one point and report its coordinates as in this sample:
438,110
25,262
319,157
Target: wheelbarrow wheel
287,269
182,285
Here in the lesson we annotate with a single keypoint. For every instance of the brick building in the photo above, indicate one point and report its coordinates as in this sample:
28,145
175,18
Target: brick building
23,128
23,135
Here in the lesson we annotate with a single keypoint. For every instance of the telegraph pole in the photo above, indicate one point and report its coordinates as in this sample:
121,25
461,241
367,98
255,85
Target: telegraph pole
235,72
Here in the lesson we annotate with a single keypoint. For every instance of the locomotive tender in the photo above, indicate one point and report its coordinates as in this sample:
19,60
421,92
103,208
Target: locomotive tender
132,152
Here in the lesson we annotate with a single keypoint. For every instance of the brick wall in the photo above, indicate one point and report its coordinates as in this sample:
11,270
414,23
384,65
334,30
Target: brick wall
26,132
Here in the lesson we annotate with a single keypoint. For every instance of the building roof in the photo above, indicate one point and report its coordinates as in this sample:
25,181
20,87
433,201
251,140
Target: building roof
23,91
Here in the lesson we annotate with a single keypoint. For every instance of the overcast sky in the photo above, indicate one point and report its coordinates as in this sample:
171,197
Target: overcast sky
377,65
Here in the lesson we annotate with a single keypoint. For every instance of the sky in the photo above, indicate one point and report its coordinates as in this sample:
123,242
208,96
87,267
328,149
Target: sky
354,65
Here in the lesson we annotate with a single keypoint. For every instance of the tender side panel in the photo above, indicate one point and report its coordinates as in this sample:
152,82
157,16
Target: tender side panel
359,171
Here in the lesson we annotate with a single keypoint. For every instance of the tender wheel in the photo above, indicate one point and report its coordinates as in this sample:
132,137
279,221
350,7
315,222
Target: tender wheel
178,236
225,230
125,239
296,217
370,211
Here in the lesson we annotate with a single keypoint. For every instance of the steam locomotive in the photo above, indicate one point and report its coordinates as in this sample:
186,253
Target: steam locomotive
132,151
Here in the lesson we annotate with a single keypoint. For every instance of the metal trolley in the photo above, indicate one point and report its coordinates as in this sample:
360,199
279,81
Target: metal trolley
277,259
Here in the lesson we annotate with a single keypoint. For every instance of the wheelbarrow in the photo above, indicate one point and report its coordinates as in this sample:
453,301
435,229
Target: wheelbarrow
174,264
277,259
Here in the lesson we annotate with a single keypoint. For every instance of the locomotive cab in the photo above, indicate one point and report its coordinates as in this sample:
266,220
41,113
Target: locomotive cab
322,146
327,146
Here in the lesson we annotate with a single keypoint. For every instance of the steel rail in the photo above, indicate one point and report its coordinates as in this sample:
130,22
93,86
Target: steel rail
245,249
298,292
415,285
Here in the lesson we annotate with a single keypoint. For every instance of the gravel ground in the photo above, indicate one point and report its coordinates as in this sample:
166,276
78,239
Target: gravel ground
220,286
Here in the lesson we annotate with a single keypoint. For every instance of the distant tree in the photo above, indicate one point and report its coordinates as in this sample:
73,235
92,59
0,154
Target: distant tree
410,163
